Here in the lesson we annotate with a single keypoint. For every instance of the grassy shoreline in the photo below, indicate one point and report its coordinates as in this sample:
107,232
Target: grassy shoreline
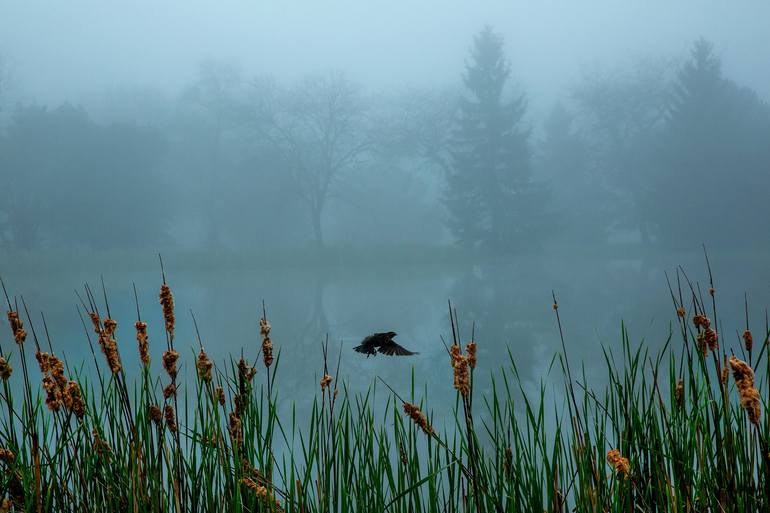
684,429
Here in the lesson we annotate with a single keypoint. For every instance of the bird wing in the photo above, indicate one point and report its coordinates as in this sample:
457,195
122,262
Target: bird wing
391,349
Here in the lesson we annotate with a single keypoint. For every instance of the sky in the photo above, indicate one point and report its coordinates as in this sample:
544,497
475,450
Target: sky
63,51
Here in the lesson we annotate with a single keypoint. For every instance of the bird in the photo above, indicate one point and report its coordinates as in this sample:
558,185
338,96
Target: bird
382,342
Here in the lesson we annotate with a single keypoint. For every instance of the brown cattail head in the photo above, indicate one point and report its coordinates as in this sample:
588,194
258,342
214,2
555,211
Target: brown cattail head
110,325
169,362
712,291
744,380
679,393
680,312
167,301
418,417
204,366
235,429
109,348
7,456
17,327
95,322
43,361
470,349
73,400
219,395
142,342
619,463
170,418
264,327
748,340
267,351
155,414
325,380
701,321
459,362
54,382
246,372
100,446
267,343
169,391
5,369
711,339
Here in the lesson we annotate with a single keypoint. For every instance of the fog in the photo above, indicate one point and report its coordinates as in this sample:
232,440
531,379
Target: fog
357,164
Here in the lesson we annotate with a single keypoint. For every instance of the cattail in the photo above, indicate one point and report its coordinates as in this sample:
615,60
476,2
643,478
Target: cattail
744,380
17,327
418,417
73,400
711,338
267,344
109,347
204,365
701,321
679,392
169,362
325,380
170,418
460,366
54,382
258,489
748,340
246,372
110,325
712,291
219,395
95,322
43,361
5,369
470,349
155,414
100,446
680,311
235,429
7,456
508,464
619,463
142,342
169,391
167,301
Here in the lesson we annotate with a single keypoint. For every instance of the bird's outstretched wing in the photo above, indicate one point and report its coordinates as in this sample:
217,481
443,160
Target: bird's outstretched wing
392,349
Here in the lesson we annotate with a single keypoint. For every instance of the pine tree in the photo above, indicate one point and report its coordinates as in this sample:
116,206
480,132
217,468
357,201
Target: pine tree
490,197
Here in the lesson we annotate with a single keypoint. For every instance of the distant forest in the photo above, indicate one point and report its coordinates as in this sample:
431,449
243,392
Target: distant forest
663,153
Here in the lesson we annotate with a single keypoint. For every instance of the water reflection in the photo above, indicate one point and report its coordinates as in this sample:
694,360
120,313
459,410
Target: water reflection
509,303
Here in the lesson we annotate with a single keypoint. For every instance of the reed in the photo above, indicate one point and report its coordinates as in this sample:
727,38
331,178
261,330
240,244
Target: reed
669,432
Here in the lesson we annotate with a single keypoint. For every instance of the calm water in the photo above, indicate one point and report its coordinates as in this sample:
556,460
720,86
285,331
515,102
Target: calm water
510,304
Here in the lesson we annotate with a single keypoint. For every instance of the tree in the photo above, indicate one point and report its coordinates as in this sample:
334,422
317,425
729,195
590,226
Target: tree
713,159
491,198
70,182
619,114
320,130
580,197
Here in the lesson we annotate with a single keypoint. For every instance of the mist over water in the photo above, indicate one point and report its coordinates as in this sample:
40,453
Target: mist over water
328,160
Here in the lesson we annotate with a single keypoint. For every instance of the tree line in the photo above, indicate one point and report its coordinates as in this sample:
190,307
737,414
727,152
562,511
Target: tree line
661,154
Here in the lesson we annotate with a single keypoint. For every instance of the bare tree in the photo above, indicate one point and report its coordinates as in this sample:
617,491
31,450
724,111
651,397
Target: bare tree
321,129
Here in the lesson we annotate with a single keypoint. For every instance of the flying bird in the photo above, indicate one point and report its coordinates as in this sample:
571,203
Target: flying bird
382,342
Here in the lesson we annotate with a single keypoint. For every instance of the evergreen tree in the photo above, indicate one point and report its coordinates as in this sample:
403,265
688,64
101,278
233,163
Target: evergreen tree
490,198
712,178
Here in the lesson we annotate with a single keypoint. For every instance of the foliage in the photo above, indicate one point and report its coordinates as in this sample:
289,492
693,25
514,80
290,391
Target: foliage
491,199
